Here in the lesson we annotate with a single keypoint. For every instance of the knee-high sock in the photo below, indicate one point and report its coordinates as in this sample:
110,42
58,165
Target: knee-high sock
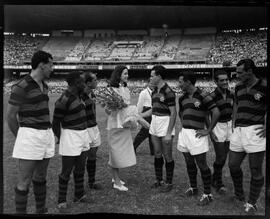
91,170
21,200
158,163
192,174
169,171
217,175
40,195
62,192
255,189
79,184
237,177
206,178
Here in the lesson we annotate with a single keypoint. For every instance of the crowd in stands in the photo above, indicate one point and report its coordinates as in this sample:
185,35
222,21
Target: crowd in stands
235,46
170,48
225,47
100,48
18,48
57,86
78,51
151,48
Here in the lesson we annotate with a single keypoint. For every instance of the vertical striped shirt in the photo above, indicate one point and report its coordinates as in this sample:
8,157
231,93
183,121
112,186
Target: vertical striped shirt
251,105
225,106
33,103
70,110
194,110
162,101
90,107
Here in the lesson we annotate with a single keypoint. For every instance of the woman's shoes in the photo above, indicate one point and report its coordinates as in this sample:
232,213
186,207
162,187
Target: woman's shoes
120,188
122,182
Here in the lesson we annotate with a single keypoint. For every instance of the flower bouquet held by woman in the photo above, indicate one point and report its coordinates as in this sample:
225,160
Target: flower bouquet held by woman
127,114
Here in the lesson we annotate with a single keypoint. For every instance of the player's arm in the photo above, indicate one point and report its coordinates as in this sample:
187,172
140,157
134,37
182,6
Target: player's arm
171,104
17,97
12,112
58,115
215,113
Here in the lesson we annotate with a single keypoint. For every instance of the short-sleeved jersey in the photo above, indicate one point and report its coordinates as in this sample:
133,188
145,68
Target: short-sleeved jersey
90,107
225,106
70,110
33,103
194,110
162,101
251,105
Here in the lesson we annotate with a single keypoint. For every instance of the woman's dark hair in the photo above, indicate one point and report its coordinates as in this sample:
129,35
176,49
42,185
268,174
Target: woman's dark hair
38,57
116,76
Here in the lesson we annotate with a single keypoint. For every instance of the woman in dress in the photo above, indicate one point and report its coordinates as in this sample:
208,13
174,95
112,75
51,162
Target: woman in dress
121,151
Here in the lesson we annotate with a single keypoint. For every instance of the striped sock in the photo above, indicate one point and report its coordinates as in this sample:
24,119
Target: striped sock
79,184
158,163
21,200
206,178
217,175
62,193
192,174
169,171
237,177
91,170
40,195
255,189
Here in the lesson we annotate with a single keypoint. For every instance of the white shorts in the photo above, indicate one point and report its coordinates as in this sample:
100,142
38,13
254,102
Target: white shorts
34,144
245,139
223,131
73,142
188,143
159,126
94,136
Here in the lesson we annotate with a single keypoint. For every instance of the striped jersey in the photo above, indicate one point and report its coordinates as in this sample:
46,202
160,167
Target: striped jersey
90,107
225,106
33,103
70,110
193,111
251,105
162,101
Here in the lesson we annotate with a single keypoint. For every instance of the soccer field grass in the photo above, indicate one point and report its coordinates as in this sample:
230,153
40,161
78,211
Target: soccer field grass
139,199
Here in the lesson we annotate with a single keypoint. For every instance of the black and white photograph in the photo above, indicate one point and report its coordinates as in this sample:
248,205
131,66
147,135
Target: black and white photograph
132,109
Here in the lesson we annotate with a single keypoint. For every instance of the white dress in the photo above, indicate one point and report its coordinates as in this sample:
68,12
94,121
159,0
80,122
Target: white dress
121,150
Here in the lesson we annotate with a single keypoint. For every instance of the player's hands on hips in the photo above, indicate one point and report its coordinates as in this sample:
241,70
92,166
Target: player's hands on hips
262,131
201,133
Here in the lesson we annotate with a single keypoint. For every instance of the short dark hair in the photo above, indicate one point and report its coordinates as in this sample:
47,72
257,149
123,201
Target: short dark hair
88,76
72,77
160,70
248,64
116,76
219,72
38,57
189,76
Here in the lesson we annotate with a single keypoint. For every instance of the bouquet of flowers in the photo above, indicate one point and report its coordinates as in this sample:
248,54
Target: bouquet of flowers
127,114
109,99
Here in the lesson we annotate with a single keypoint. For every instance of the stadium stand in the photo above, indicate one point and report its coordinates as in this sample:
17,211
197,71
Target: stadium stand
194,47
170,48
206,48
18,48
234,46
61,47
